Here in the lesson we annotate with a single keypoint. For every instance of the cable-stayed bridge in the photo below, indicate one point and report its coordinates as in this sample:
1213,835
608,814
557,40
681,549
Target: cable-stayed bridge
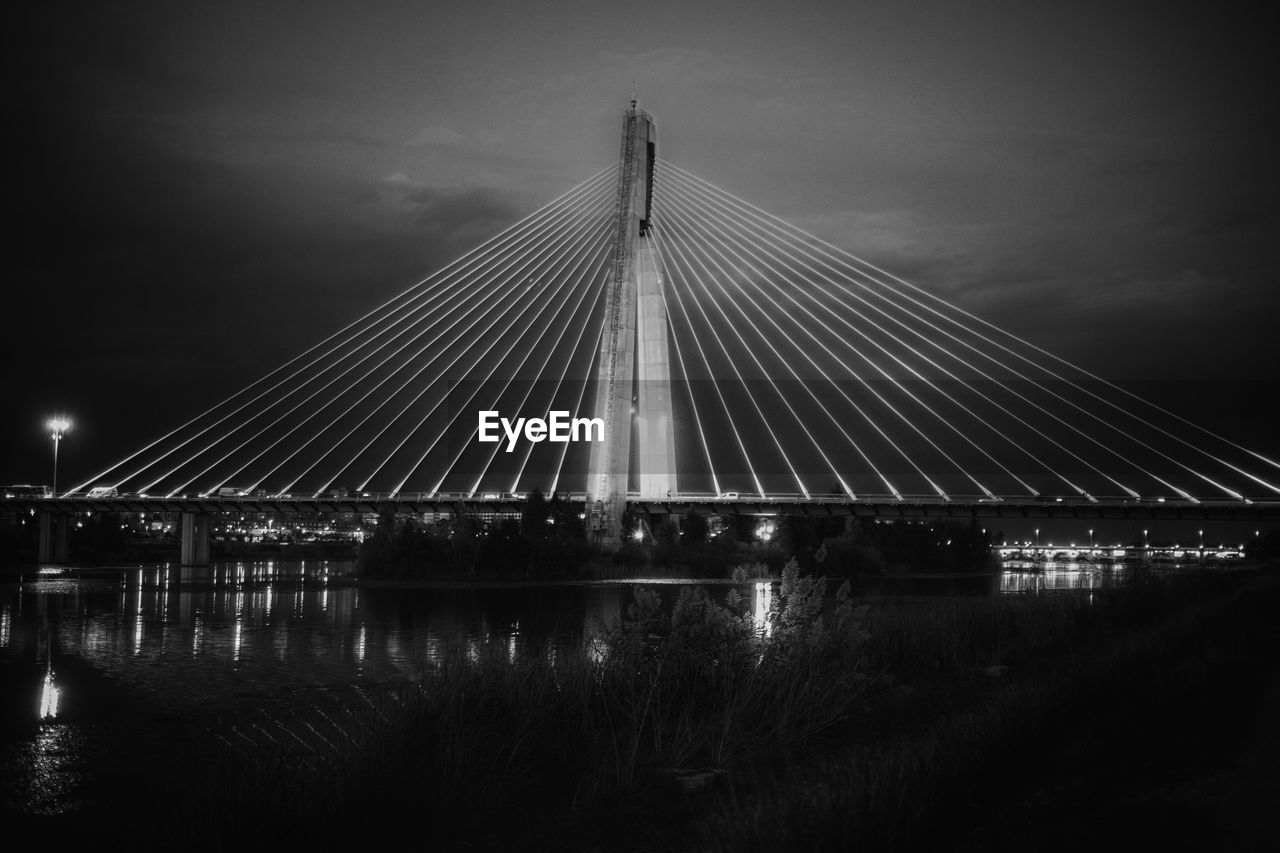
733,362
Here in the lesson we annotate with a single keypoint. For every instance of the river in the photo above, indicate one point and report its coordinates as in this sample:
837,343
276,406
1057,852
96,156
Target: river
279,654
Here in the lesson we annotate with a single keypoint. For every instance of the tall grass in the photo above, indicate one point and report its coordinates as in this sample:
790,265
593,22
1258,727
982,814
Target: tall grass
926,784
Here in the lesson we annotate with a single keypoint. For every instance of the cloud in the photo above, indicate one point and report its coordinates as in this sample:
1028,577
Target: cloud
456,220
446,137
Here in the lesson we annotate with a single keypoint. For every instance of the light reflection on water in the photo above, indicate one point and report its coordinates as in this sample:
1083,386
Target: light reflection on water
49,695
261,631
1025,578
178,642
284,654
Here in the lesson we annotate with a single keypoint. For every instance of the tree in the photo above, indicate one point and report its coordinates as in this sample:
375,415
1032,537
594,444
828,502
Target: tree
695,529
533,518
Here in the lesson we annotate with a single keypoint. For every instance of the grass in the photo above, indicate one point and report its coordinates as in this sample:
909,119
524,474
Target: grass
939,771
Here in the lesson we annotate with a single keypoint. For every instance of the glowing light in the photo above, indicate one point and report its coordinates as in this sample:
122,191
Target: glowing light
763,605
49,695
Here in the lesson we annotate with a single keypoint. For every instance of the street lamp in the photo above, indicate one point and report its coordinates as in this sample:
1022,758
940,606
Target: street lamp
1037,537
57,428
1090,538
1144,540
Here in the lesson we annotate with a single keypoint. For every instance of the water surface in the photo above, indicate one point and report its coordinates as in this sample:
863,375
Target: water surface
124,664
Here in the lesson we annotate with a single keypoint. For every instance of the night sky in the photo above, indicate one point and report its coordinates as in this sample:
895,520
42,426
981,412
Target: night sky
197,192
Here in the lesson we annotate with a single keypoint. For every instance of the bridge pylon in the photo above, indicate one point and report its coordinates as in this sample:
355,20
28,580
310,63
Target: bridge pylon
633,380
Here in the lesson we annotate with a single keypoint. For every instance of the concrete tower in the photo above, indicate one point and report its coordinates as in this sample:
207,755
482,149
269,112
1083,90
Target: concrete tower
634,379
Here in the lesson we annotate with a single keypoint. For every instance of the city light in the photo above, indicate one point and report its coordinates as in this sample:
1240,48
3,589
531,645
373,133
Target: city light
58,427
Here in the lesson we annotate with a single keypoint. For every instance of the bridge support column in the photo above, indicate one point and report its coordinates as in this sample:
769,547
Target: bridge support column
654,420
608,477
53,537
195,545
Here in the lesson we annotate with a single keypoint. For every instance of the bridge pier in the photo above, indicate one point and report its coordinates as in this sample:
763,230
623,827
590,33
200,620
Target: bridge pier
54,527
655,422
195,544
633,382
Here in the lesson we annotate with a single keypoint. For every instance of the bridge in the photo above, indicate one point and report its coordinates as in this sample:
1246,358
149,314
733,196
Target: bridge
720,359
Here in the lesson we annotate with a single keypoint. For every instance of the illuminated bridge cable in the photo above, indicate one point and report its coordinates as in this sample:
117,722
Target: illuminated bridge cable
1069,425
373,315
415,358
744,255
586,267
1059,359
405,312
711,374
742,259
985,355
483,337
355,383
470,338
769,318
423,366
678,239
463,298
596,274
693,402
470,302
744,247
245,442
757,239
796,233
898,321
592,348
591,268
1132,436
764,420
567,262
805,296
460,336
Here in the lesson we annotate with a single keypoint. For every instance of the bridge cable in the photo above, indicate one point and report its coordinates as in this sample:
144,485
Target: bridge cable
385,306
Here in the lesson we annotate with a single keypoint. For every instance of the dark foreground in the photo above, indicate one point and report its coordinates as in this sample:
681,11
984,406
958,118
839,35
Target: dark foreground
1144,716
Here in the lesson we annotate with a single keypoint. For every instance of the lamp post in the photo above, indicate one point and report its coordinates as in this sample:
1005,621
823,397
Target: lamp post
1090,538
57,428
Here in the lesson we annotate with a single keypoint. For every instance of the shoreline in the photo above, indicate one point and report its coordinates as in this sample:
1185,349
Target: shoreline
25,573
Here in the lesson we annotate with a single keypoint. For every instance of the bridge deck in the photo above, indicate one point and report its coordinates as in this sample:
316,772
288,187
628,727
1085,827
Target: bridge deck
887,507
